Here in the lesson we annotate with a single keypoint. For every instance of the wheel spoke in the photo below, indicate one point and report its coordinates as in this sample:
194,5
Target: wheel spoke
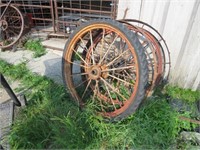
110,63
78,64
121,68
96,89
82,41
13,31
9,13
115,90
80,57
81,83
80,74
109,95
96,93
128,75
14,19
92,45
86,89
108,49
102,44
123,76
120,80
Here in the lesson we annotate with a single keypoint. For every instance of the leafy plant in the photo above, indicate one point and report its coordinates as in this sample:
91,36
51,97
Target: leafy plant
36,47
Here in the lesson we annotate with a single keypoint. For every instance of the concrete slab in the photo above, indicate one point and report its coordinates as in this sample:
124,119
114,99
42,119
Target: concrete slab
48,65
6,117
16,57
55,43
6,113
4,97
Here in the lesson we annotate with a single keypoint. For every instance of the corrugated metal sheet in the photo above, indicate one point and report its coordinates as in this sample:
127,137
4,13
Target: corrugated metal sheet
178,21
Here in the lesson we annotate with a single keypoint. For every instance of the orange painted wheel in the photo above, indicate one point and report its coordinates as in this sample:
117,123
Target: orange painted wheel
105,63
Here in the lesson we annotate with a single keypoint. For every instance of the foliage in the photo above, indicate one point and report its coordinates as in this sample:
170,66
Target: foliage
185,94
52,121
35,46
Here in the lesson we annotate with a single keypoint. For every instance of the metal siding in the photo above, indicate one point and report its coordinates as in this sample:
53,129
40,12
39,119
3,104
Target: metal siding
179,23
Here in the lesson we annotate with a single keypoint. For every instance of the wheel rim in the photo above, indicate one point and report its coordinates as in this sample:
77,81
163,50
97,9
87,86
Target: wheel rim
157,38
11,26
105,70
153,53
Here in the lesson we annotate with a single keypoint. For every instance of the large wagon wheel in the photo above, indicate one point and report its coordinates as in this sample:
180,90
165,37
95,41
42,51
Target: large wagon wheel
11,25
105,62
156,38
153,52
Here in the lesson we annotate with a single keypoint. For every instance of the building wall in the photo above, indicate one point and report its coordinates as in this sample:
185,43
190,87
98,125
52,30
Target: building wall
178,21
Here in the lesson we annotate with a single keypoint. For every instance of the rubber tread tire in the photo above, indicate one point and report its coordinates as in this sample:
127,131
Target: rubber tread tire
141,58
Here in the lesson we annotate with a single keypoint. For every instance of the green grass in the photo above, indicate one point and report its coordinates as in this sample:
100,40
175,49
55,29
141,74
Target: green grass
35,46
52,121
184,94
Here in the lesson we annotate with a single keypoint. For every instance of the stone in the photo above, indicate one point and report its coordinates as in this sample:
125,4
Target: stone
192,137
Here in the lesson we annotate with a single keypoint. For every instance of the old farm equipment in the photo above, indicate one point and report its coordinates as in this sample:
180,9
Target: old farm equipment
58,17
11,25
114,64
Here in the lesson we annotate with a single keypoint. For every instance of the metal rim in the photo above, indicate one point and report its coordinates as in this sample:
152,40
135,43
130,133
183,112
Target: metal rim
149,47
110,78
157,38
11,26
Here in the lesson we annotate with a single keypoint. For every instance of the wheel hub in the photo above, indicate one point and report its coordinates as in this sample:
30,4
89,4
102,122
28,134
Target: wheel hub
95,72
3,25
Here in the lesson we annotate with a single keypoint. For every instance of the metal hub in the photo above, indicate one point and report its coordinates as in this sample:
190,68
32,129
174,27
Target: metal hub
104,74
95,72
3,25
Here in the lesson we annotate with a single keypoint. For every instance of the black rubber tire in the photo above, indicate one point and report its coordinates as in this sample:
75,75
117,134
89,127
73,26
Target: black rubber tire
141,58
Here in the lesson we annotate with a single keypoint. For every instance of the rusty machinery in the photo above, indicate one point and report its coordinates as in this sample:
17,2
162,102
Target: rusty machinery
115,65
11,25
54,16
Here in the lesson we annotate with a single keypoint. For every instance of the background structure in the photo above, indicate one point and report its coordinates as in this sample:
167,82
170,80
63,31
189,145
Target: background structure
178,21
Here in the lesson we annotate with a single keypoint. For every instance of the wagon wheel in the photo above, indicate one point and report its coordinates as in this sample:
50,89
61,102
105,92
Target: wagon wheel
11,25
111,70
157,38
153,54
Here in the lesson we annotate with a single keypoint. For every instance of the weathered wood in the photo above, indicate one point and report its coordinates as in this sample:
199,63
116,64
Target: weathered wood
178,22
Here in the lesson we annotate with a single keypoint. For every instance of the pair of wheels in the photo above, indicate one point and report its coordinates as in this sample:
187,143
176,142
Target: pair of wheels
107,62
156,51
11,25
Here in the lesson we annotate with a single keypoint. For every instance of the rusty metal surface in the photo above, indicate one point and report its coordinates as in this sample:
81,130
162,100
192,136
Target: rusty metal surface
104,73
62,14
103,66
100,80
79,11
160,40
11,25
160,59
